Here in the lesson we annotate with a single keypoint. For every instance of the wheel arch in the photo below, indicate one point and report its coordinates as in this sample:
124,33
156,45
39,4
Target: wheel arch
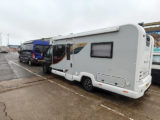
84,75
83,78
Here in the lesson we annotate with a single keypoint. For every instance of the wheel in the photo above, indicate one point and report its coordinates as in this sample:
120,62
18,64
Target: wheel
87,84
46,69
30,63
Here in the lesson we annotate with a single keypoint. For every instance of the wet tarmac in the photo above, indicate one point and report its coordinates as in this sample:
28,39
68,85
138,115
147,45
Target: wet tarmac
28,94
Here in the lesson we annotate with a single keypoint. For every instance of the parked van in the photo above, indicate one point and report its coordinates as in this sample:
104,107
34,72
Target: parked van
31,52
117,59
156,66
4,49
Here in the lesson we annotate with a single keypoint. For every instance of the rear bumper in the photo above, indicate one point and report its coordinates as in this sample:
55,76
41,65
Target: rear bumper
37,61
141,88
145,84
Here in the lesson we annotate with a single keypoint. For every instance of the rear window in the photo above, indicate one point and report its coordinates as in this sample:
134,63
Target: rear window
41,48
102,50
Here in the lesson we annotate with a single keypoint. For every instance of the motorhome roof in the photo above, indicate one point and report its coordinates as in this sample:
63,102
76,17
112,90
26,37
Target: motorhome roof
36,42
94,32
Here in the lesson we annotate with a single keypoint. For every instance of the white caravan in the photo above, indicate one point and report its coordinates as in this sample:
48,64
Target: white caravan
117,59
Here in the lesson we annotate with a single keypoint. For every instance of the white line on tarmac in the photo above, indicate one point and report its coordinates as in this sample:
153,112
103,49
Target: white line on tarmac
119,113
51,81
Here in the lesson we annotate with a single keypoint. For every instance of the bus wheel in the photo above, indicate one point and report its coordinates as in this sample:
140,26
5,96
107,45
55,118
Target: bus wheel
30,63
87,84
46,69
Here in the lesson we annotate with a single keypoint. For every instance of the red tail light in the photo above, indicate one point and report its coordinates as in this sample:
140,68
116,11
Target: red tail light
33,56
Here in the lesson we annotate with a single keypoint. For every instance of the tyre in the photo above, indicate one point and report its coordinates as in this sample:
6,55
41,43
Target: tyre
30,63
87,84
46,69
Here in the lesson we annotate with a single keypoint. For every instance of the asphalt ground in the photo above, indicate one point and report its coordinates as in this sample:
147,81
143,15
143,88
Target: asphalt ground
26,93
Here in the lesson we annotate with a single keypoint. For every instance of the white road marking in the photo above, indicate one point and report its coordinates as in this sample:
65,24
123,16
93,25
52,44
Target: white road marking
51,81
15,72
115,111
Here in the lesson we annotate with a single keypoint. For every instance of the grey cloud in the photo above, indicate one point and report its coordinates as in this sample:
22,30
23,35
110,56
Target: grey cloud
32,19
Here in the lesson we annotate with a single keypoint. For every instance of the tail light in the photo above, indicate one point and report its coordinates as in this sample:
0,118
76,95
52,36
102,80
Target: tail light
143,74
33,56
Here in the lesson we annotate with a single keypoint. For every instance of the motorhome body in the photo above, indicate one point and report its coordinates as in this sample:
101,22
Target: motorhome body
117,59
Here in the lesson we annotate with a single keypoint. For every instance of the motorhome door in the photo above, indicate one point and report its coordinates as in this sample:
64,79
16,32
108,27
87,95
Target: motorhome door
69,60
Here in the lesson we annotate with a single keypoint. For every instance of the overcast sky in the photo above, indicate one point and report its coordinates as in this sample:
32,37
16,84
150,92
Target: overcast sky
32,19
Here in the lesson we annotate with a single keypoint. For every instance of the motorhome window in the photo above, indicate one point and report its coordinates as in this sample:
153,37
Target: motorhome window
77,50
27,47
58,53
68,51
102,50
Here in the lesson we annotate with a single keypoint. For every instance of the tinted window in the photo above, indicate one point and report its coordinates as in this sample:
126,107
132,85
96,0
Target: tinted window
41,48
76,50
58,53
103,50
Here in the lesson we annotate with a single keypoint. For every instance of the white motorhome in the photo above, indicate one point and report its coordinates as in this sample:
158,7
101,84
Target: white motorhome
117,59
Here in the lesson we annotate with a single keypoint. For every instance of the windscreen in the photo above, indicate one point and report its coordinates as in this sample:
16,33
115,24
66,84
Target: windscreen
27,46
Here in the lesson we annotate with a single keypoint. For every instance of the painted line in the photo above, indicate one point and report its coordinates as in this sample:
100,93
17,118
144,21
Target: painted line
110,109
116,112
51,81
